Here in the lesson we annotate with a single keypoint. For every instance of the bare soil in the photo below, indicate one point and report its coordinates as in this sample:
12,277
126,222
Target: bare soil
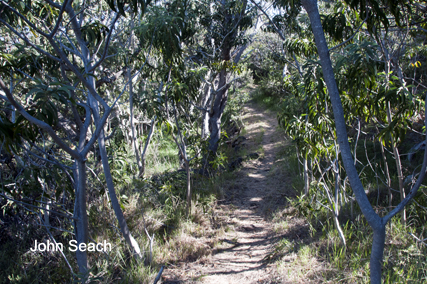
248,237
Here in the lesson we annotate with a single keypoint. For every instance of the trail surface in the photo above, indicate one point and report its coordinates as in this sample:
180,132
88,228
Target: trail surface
248,237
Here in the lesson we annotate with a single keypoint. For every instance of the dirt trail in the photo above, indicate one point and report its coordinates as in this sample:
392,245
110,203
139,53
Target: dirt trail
248,237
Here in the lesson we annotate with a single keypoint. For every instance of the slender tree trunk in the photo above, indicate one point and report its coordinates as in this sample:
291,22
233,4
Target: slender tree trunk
144,152
398,165
109,179
81,224
135,143
337,204
387,175
333,203
215,114
376,223
187,169
205,103
114,201
377,253
183,153
306,177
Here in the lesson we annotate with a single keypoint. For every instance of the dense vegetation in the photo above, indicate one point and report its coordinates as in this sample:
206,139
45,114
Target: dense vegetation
116,118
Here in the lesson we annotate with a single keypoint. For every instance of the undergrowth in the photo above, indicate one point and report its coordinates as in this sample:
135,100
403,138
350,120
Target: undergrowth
309,249
314,253
153,206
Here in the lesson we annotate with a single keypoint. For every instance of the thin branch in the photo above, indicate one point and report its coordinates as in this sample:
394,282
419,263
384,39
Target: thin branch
51,3
25,39
270,20
350,38
43,125
61,12
418,240
46,160
107,45
34,206
415,188
159,275
25,19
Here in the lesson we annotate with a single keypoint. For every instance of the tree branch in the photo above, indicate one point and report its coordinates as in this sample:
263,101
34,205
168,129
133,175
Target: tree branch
350,38
25,20
61,12
107,44
25,39
43,125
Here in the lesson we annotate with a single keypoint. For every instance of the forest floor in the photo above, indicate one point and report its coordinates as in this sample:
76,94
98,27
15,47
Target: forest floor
257,189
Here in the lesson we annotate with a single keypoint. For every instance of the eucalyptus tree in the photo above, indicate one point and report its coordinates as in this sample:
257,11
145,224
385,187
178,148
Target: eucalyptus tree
365,90
173,33
225,22
376,222
57,51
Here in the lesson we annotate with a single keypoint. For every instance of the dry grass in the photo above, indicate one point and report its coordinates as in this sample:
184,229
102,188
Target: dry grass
182,247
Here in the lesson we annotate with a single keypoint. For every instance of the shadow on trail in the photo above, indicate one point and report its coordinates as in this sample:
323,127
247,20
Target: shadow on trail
259,188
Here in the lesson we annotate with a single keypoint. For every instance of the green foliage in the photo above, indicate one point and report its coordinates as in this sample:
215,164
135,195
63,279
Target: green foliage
338,24
225,24
27,60
31,9
300,46
134,5
167,28
93,33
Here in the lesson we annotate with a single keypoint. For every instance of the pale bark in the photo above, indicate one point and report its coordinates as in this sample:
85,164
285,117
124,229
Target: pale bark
93,99
81,225
377,224
387,175
147,142
221,94
135,143
79,155
306,178
215,114
110,184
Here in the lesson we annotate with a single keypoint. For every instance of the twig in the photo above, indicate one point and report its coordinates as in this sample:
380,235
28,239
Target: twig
418,240
350,38
159,275
34,206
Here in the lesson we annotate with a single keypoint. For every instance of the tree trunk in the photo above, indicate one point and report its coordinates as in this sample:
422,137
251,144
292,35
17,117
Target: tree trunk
377,254
134,138
398,165
109,179
81,224
230,22
114,201
373,219
215,114
144,152
306,178
387,175
205,103
337,204
187,169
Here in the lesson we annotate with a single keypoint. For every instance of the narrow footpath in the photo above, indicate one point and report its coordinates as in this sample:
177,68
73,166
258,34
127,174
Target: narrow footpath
239,257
